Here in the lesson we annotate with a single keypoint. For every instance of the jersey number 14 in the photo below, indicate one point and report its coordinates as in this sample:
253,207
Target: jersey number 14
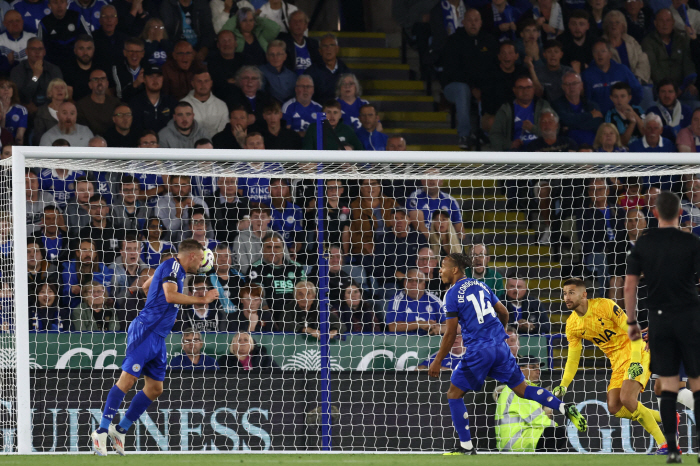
483,308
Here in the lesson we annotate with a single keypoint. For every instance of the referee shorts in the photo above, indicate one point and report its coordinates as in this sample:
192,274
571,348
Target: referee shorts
674,338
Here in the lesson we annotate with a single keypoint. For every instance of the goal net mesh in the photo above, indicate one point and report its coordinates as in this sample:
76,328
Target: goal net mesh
244,373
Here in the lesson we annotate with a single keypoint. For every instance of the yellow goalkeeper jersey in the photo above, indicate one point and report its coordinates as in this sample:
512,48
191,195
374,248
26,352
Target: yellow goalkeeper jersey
604,324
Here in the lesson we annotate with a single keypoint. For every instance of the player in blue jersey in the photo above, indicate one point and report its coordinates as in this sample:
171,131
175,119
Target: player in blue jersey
473,305
145,348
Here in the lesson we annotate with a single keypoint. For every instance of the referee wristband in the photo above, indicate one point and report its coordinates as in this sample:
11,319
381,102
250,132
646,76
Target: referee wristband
632,323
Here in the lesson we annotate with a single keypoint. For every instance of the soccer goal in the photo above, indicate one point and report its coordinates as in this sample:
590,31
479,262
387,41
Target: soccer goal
329,310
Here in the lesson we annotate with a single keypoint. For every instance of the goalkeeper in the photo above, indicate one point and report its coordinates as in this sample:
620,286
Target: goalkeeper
604,323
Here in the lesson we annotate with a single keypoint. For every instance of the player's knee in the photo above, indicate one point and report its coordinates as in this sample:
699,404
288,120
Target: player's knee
657,388
454,393
614,406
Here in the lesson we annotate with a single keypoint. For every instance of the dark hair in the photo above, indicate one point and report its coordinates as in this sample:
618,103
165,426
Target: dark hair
97,198
527,22
188,245
202,141
621,85
580,14
552,43
238,108
130,237
182,103
507,42
198,210
272,106
668,205
134,41
573,281
261,209
149,132
368,106
128,179
60,142
666,82
332,104
85,38
461,260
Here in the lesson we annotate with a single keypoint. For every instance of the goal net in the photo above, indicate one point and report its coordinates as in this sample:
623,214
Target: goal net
308,347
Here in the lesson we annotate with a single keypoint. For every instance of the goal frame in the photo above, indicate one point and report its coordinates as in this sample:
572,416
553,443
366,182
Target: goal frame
20,154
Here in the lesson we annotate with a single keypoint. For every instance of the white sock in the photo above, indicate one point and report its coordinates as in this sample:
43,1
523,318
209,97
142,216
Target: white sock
561,409
467,445
685,397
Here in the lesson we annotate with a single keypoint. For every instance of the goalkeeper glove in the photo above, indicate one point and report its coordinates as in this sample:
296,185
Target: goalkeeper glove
559,391
635,370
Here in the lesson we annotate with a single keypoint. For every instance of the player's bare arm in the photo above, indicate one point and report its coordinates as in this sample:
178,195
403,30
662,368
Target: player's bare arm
502,313
147,285
633,330
174,297
448,339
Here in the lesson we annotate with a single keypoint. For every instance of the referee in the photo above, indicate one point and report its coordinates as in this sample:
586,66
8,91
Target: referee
670,261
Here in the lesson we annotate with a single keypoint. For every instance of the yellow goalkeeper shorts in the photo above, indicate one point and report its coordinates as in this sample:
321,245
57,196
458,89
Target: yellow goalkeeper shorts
620,374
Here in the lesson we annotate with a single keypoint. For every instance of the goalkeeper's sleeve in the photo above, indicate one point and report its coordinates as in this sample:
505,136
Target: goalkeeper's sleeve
636,353
572,361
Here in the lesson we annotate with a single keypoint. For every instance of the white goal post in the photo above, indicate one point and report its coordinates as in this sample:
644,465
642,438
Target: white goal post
461,169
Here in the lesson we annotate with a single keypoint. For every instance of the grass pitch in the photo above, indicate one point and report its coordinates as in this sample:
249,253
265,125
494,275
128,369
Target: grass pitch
240,459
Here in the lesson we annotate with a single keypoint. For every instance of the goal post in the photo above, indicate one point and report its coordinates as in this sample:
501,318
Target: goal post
377,401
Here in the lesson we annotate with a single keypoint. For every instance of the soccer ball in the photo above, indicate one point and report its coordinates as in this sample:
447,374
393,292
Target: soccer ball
207,262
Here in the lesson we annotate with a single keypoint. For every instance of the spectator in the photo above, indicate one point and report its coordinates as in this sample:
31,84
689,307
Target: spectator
199,231
550,71
428,263
15,118
301,111
635,226
684,15
224,63
287,217
251,317
690,203
174,208
453,357
128,211
67,128
499,90
209,111
368,134
109,42
302,313
480,270
33,76
348,93
226,280
276,135
340,131
371,215
356,313
249,82
32,12
278,11
154,246
39,270
276,273
603,73
152,109
95,110
396,253
84,268
444,239
499,18
183,130
578,40
279,80
77,210
673,113
192,357
626,50
253,35
517,123
607,139
77,71
53,235
256,187
338,215
128,76
189,20
597,229
550,139
45,314
60,29
523,425
151,184
327,73
234,134
640,19
302,51
157,44
424,201
652,141
244,354
626,118
13,41
525,311
549,17
579,116
414,310
122,133
688,139
101,229
513,340
229,210
37,199
202,317
95,313
248,246
60,182
338,278
89,12
179,70
530,49
669,54
127,270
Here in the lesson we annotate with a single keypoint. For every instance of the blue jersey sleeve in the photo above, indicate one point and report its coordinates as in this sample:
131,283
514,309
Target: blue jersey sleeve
449,307
437,314
396,311
455,212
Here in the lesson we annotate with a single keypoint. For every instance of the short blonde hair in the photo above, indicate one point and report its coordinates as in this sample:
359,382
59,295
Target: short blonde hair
612,15
305,284
599,135
52,83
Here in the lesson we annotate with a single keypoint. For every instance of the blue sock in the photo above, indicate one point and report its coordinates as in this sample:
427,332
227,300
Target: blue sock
114,401
138,406
460,419
543,397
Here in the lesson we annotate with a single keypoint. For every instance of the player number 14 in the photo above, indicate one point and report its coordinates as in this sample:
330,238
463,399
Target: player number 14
482,308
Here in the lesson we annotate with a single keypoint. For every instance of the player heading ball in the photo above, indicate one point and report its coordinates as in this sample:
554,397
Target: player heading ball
145,344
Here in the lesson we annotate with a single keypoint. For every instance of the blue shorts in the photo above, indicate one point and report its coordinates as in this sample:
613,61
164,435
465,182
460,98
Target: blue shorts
496,362
145,353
